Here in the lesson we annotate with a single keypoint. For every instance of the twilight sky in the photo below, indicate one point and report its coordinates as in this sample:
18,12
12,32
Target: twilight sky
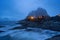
19,9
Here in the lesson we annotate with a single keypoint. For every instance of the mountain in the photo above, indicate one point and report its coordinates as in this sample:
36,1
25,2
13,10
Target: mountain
38,12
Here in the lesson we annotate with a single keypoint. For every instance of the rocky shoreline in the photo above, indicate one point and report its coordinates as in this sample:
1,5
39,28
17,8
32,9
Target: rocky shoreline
50,25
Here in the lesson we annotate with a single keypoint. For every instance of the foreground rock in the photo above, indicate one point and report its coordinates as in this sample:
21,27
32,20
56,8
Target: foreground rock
54,38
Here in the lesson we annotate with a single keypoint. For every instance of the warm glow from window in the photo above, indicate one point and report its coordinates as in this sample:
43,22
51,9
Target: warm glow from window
31,17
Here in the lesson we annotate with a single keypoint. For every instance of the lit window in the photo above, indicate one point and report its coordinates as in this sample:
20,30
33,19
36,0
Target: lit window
31,17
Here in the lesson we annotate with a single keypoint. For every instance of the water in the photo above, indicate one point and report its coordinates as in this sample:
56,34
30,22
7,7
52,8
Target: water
23,34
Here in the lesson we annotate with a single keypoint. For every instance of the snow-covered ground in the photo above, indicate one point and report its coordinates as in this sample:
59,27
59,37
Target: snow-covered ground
31,35
23,34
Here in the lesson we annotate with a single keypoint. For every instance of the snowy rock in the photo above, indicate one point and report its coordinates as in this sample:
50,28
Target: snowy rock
7,37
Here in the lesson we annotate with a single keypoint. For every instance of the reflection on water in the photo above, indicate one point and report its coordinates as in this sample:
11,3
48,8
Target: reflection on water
23,34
